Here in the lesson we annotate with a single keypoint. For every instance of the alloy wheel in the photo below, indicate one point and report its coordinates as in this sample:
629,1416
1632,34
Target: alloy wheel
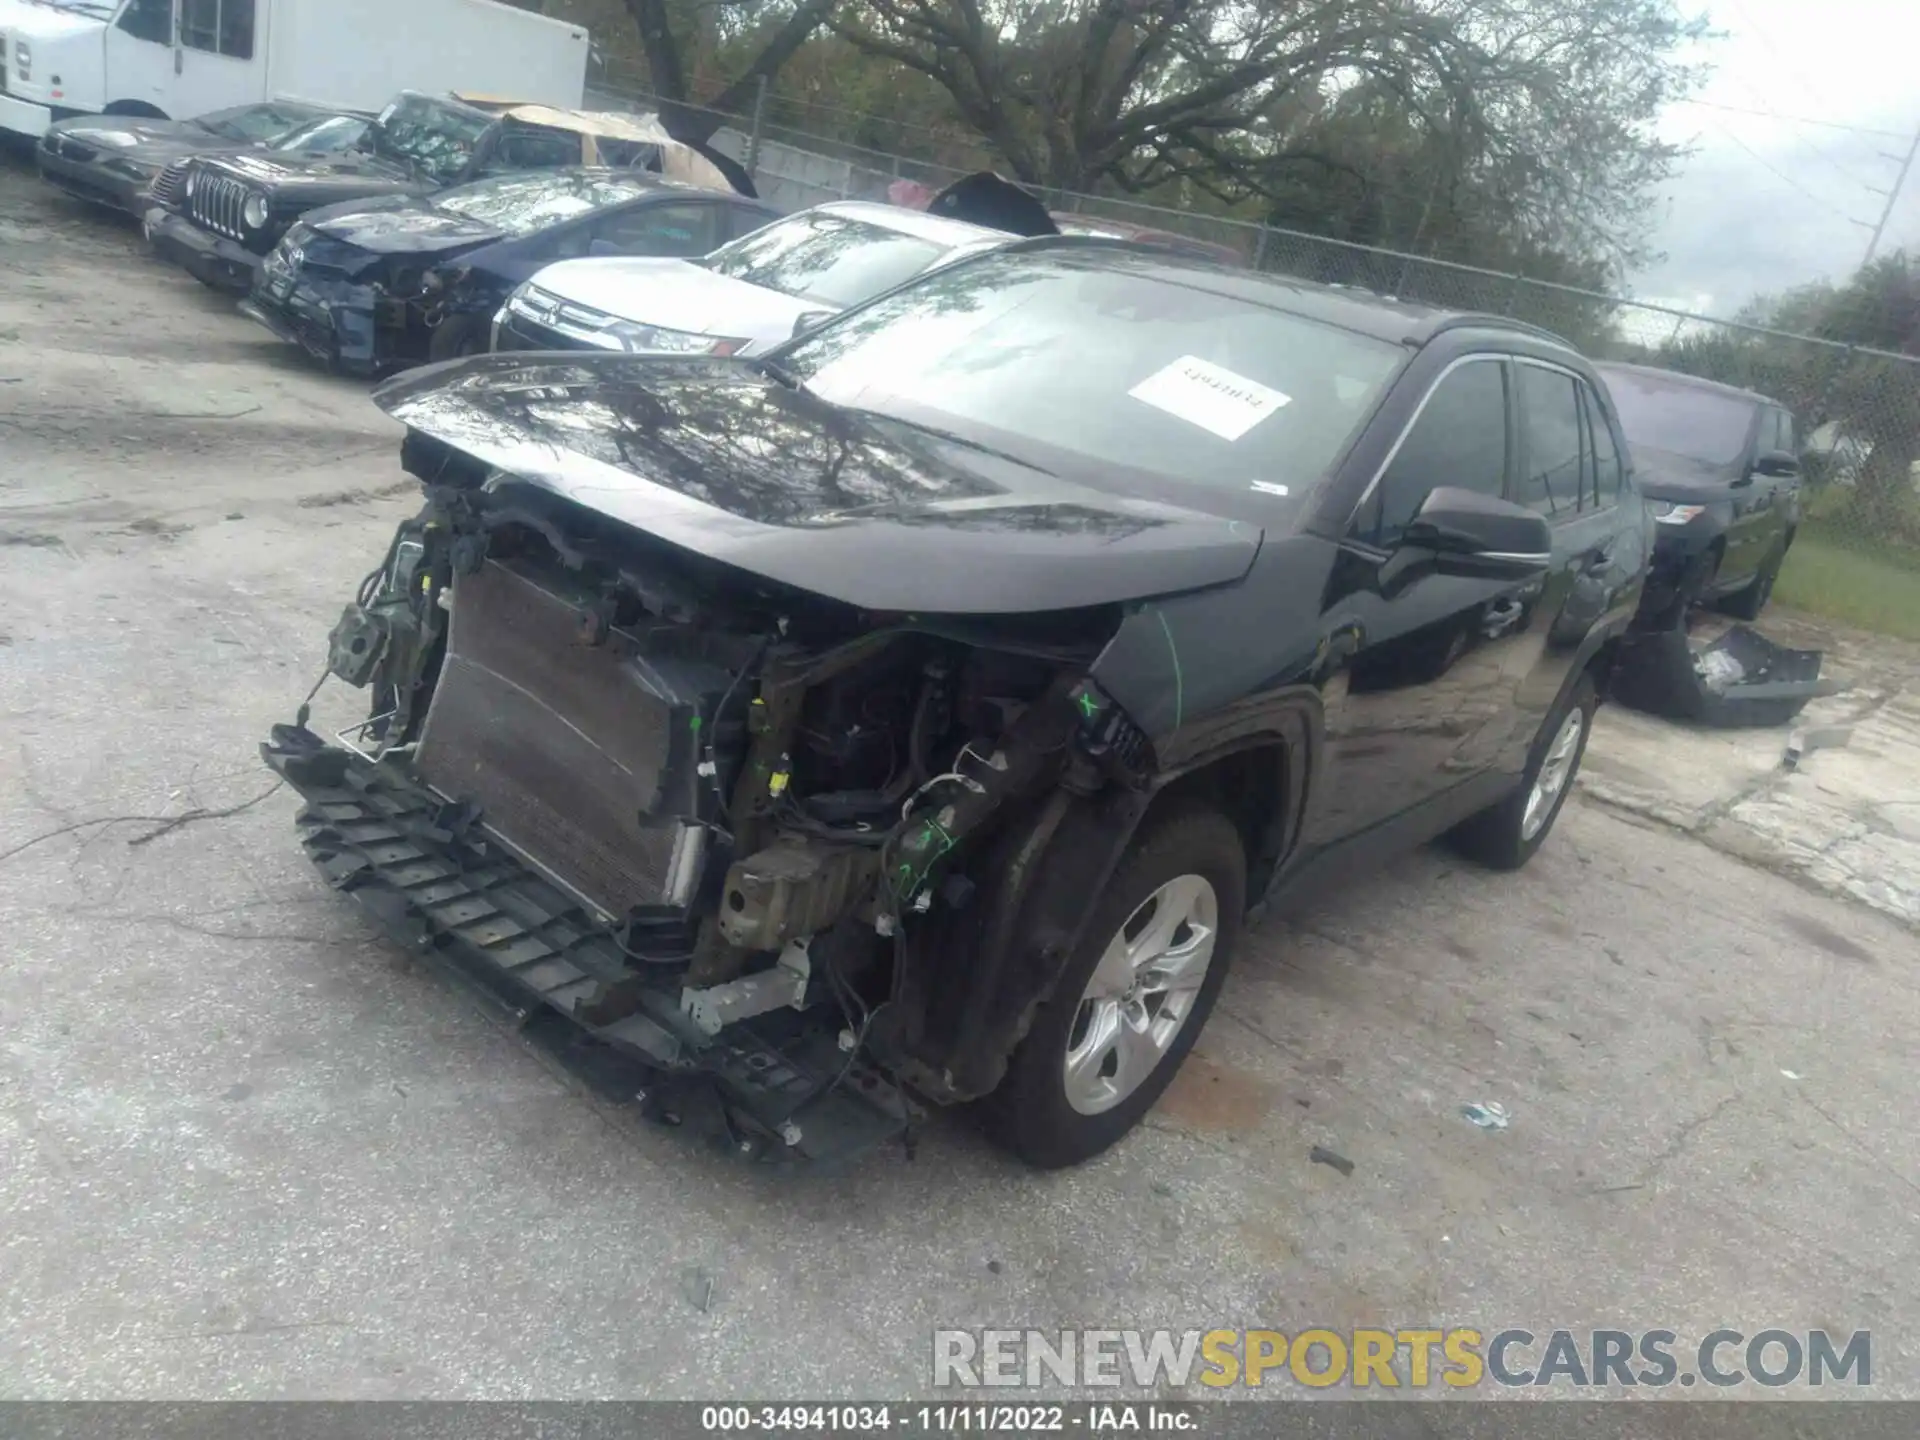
1556,768
1141,993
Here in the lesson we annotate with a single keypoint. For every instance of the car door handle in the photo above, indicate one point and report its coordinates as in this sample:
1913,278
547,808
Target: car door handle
1596,562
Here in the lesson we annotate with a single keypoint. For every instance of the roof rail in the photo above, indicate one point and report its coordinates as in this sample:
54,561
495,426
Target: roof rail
1485,320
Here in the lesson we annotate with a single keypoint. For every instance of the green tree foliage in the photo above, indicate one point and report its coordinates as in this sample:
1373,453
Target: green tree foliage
1445,121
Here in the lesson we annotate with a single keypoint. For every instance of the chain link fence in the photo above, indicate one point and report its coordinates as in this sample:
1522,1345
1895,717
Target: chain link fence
1856,554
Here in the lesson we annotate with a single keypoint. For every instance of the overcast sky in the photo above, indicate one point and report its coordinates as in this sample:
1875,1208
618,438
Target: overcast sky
1764,204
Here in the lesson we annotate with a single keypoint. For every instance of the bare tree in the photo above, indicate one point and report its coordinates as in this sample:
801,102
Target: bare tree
667,27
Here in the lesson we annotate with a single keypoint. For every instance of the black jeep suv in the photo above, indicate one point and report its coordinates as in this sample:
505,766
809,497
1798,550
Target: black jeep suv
915,712
219,217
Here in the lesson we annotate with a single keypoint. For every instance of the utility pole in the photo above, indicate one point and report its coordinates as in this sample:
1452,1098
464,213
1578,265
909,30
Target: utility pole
1893,197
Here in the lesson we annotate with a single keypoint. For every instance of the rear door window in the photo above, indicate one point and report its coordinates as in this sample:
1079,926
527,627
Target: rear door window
677,229
1458,440
220,27
1553,463
1606,455
526,147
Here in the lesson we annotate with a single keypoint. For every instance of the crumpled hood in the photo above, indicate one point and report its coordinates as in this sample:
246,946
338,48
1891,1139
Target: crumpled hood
400,224
712,456
1664,475
677,295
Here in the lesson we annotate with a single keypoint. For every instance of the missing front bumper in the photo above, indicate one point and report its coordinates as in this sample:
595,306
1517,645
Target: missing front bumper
432,876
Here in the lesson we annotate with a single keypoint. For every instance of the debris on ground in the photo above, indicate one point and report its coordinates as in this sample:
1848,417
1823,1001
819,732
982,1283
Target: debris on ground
1488,1116
1740,679
1320,1155
700,1289
1809,738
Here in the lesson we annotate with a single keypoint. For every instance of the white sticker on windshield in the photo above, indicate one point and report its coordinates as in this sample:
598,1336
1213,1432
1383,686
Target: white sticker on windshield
1210,396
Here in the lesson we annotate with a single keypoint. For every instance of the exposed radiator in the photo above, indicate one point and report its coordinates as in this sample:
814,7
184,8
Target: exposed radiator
560,743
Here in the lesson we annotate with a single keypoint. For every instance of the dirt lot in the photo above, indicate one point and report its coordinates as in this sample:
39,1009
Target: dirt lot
251,1150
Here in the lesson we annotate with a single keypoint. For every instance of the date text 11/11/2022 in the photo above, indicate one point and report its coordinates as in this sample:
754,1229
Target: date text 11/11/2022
1090,1419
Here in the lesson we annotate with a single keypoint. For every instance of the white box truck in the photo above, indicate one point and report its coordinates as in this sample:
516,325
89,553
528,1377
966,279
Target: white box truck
175,59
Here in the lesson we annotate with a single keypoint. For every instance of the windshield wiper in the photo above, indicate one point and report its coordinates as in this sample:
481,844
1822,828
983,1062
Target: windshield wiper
965,442
779,374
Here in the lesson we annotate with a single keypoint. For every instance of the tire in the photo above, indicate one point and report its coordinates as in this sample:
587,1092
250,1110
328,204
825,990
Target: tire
457,336
1498,837
1747,604
1037,1112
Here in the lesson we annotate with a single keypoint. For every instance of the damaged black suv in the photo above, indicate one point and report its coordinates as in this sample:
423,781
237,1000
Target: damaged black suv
916,712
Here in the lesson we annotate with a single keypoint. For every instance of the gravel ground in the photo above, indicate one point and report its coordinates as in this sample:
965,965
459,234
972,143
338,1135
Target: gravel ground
251,1150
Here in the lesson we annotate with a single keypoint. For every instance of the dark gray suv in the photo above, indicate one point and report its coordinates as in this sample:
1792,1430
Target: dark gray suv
1722,469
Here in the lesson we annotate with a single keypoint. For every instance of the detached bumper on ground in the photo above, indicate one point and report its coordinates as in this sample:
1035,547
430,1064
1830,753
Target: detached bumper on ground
431,876
211,259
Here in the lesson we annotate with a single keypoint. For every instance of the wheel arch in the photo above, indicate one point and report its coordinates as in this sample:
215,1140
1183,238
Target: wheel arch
138,108
976,980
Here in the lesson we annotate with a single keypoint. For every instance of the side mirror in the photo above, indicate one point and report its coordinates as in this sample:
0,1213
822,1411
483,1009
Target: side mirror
1777,463
1481,535
807,320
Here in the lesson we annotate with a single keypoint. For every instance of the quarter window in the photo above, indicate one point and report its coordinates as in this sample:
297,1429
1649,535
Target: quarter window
221,27
1554,477
149,20
1606,456
1459,440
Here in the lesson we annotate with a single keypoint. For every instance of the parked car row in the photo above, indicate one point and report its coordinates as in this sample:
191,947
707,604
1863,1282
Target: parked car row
871,658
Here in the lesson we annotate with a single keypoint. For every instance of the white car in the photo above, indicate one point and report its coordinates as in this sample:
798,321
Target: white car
745,297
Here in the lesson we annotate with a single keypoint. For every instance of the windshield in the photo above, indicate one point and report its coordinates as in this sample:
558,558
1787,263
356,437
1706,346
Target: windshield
828,259
1681,419
428,134
522,204
250,123
323,137
102,9
1116,361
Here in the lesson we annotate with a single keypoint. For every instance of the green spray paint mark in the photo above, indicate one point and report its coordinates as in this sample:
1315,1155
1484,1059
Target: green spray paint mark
694,724
1087,706
1179,687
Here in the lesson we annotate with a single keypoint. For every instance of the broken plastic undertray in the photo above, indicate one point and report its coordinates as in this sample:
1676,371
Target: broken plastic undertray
1740,679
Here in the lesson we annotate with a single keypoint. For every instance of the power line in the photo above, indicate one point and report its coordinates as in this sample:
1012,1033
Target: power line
1783,177
1796,119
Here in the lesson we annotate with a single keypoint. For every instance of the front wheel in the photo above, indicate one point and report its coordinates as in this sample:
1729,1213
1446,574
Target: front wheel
1132,999
1505,836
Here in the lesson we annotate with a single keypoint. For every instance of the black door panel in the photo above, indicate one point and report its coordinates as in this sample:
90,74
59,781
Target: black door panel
1419,668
